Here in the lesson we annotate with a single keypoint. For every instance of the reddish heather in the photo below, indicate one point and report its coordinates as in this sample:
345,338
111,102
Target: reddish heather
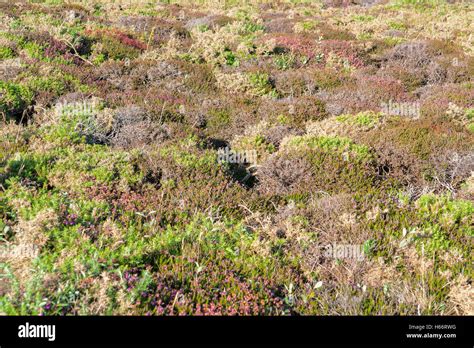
343,49
124,38
297,44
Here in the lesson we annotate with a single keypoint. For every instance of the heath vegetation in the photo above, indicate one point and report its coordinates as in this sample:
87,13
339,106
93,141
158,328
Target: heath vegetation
112,116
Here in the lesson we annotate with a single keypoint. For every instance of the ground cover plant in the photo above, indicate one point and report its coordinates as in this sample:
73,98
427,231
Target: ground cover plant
236,157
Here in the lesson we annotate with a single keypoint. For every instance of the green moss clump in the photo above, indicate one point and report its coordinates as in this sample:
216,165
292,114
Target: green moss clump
34,50
261,84
6,52
14,98
470,127
363,119
335,144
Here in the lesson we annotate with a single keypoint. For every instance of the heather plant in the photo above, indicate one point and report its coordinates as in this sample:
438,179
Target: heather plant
113,49
320,158
252,84
80,121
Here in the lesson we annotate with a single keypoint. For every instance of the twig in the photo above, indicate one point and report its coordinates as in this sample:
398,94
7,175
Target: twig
76,54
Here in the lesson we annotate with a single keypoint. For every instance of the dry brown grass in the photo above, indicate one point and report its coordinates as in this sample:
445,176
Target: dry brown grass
30,236
461,296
